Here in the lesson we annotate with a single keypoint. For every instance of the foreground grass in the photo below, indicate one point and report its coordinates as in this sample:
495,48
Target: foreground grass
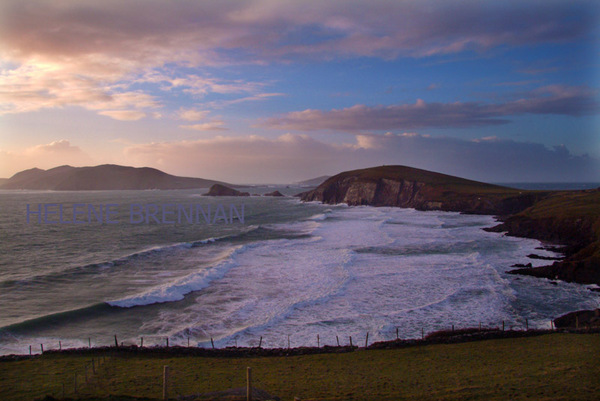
548,367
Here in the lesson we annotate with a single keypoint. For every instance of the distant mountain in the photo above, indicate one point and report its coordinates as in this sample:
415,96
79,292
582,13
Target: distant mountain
3,180
104,177
313,182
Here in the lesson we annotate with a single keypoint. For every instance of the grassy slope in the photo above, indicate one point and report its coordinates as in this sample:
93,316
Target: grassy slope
571,217
413,174
549,367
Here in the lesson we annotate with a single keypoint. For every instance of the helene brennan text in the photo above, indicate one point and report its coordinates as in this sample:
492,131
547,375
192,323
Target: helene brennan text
135,213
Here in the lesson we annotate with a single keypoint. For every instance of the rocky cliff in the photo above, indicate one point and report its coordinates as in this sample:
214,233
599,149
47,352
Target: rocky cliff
403,186
570,218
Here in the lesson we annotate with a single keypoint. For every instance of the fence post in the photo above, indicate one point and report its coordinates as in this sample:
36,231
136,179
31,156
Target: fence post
248,384
503,325
89,342
318,342
165,394
167,342
397,334
338,340
350,341
260,342
42,348
212,342
141,342
30,350
527,324
116,342
288,341
367,340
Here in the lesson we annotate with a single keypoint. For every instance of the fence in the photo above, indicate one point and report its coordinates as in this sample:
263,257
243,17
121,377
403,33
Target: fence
104,370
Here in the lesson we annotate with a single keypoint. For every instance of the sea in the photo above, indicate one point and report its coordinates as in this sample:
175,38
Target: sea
269,271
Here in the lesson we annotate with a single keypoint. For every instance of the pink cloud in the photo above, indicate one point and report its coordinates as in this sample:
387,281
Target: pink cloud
556,99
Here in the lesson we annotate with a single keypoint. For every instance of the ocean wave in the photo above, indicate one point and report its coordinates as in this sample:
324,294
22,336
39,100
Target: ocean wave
177,289
54,319
94,268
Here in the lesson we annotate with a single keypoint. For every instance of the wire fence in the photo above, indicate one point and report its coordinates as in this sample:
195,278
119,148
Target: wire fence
100,371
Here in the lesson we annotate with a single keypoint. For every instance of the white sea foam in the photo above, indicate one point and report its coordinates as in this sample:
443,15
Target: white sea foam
415,271
344,272
177,289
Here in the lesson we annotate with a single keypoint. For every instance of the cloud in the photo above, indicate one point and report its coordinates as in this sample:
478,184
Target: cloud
43,156
124,115
214,125
33,87
192,114
555,99
80,53
289,157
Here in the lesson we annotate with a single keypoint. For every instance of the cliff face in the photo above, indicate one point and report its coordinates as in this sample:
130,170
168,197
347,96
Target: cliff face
412,188
570,218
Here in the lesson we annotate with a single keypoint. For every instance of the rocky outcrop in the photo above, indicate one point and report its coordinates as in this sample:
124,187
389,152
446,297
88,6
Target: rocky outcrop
570,218
274,193
423,190
222,190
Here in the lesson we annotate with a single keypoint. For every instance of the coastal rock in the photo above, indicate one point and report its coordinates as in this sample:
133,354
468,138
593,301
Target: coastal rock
569,218
274,193
408,187
222,190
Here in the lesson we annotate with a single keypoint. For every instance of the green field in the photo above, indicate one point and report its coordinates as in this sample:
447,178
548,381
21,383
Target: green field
547,367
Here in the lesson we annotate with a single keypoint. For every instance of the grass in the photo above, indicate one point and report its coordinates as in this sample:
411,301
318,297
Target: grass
548,367
567,204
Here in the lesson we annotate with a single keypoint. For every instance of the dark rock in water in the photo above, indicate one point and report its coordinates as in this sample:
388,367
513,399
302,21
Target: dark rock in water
274,193
579,319
534,256
522,265
222,190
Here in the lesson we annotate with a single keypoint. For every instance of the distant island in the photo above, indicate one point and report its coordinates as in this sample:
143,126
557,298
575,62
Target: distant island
103,177
222,190
569,218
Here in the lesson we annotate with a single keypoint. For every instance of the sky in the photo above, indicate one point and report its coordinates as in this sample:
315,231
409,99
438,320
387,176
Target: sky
277,91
